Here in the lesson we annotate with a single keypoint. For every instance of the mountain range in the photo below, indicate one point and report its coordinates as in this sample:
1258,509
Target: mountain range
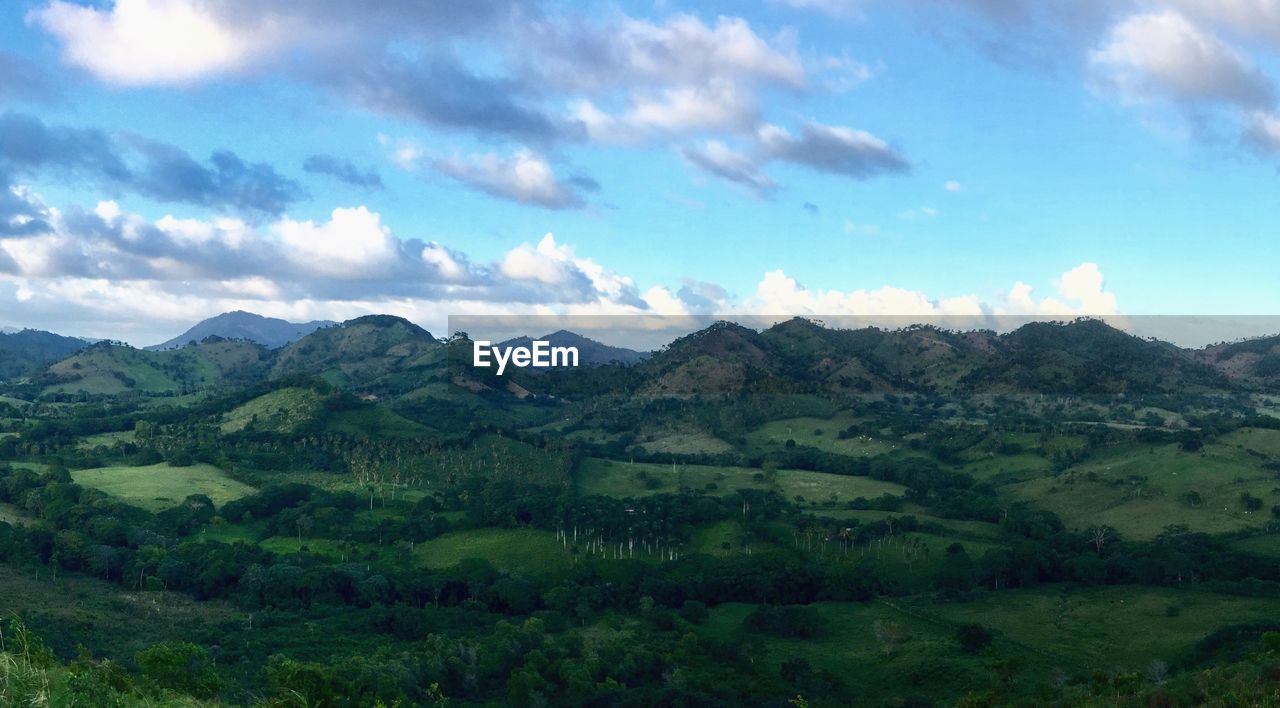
270,332
387,356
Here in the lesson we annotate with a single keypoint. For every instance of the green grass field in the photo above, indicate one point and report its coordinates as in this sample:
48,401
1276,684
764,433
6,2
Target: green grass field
684,443
157,487
516,550
848,648
1260,440
89,442
960,527
822,433
624,479
1139,490
1123,627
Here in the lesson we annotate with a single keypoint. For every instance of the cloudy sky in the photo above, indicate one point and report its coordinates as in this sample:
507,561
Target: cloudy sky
166,160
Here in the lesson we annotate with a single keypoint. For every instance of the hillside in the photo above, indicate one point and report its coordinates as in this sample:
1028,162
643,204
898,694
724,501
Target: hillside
1080,357
380,352
1252,361
270,332
28,351
113,369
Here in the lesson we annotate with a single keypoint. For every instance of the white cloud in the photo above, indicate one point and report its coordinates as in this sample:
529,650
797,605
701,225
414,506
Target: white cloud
1081,291
524,177
147,42
1263,131
953,186
1160,55
353,243
405,153
547,262
718,159
832,148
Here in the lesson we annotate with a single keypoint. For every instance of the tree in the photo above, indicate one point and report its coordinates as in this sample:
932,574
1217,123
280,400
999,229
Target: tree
889,634
179,666
1098,536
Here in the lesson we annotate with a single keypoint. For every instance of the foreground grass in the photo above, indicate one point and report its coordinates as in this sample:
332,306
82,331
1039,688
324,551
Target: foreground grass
157,487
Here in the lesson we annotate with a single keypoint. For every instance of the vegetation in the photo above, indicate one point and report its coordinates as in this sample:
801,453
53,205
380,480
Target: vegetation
799,516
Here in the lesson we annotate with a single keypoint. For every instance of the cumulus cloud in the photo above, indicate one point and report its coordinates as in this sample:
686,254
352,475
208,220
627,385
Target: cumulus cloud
157,170
779,293
1081,291
343,171
105,271
835,149
524,177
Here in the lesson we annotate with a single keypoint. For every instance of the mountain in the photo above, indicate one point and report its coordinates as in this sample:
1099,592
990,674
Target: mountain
1089,357
108,368
28,351
377,352
9,330
590,352
1079,357
270,332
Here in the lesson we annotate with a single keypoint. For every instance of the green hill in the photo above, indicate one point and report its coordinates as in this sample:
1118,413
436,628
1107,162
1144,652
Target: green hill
378,353
112,369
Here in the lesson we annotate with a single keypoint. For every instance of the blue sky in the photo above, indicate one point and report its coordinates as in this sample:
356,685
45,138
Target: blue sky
166,160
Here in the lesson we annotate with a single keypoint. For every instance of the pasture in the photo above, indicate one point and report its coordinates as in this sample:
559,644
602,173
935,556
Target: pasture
157,487
822,433
1139,490
528,551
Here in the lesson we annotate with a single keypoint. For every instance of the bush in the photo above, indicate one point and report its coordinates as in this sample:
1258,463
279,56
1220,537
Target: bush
973,638
693,611
179,666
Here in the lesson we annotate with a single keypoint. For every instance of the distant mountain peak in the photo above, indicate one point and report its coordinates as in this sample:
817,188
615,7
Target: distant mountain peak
270,332
590,351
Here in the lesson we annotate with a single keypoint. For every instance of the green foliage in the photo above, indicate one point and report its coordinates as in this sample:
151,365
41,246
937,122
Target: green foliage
179,666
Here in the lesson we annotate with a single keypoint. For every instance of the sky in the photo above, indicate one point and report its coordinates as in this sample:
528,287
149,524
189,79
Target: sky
163,161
